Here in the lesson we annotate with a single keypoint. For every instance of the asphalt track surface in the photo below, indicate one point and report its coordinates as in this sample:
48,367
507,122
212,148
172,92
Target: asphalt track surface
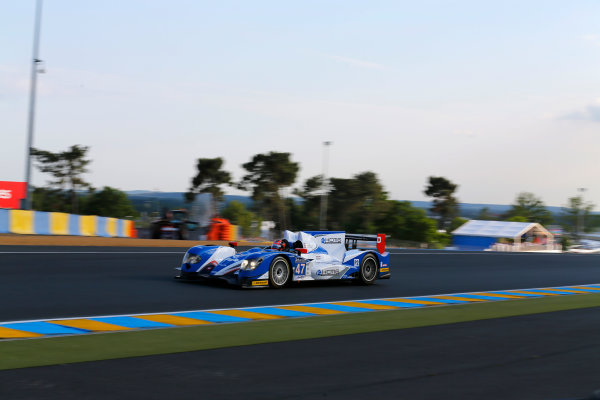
542,356
54,282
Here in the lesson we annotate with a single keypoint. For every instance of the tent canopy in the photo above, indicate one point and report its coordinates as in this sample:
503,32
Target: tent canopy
498,229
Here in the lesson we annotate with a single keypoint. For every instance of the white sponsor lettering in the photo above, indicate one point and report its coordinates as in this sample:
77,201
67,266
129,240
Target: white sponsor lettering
5,194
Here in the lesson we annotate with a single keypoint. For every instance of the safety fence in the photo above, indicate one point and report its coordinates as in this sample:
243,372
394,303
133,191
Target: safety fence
27,222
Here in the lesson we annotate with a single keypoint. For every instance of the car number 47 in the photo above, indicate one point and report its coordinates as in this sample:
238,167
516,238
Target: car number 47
300,269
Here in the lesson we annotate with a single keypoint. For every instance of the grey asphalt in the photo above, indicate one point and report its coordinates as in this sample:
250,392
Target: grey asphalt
543,356
53,282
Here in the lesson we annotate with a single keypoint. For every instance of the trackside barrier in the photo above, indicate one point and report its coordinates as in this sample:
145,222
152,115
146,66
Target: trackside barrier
27,222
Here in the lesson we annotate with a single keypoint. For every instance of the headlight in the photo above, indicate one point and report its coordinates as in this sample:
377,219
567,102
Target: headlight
249,265
192,258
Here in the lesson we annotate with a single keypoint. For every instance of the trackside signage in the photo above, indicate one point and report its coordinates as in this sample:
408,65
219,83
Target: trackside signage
11,194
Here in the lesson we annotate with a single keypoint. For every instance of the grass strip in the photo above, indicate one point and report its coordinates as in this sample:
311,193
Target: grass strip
92,347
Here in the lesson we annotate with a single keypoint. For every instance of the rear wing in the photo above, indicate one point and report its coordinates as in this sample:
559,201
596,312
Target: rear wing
352,241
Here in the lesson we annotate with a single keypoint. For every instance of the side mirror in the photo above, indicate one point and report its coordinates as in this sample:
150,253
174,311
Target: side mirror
301,251
233,244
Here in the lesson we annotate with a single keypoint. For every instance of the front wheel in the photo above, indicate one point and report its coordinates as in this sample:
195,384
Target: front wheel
368,270
279,272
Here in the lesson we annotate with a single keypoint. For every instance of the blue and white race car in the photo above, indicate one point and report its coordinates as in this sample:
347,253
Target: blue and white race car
299,256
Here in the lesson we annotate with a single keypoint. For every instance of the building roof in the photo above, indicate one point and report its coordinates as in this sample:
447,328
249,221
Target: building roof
499,229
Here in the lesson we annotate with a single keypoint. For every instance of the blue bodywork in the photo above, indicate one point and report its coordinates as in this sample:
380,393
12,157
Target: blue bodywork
220,262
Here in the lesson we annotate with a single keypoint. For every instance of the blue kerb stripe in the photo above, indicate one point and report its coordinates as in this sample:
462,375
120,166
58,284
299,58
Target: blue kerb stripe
339,308
101,227
4,225
131,322
448,301
549,291
74,225
41,223
580,290
479,296
519,294
280,312
210,317
120,228
596,286
44,328
391,303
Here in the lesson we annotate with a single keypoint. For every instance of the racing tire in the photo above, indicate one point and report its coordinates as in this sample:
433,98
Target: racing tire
280,272
368,270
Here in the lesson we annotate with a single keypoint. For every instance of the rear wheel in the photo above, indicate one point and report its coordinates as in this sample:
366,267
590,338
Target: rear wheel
280,272
368,270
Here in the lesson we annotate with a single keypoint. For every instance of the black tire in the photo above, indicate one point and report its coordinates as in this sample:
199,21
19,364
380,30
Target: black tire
280,272
368,270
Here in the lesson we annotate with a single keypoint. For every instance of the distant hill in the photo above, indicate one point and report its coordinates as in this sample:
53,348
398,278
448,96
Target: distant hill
151,201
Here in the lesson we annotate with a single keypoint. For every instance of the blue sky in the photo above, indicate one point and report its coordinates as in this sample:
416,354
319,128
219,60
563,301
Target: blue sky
499,98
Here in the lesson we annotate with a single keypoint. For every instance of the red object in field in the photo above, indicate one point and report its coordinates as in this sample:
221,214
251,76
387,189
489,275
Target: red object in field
11,194
220,229
381,242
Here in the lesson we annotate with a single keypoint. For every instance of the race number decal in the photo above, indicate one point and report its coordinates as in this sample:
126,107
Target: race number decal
356,262
300,269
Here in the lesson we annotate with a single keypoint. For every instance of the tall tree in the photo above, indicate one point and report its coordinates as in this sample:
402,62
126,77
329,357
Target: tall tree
531,208
576,215
356,203
209,179
267,175
67,168
445,205
307,215
109,202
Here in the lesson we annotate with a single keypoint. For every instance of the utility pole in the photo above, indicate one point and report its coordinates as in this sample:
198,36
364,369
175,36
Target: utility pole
324,186
35,68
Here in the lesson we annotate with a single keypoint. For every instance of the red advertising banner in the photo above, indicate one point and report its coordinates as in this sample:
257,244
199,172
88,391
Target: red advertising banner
11,194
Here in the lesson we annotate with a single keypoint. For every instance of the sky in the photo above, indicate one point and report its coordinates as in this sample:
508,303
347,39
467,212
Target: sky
499,97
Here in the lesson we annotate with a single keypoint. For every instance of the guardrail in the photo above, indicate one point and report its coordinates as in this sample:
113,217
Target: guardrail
27,222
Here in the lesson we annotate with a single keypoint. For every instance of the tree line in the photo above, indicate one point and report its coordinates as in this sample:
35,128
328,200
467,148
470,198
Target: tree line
356,204
64,191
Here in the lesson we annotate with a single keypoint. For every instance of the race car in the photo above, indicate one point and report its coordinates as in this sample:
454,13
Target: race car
299,256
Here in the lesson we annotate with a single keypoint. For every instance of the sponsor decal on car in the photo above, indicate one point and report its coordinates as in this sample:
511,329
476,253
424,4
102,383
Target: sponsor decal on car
260,283
356,262
384,270
333,240
328,272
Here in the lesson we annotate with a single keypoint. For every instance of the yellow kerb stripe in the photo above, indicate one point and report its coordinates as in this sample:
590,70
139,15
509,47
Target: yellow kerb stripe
365,305
245,314
561,290
312,310
538,293
505,296
417,301
584,287
173,320
9,333
89,325
456,298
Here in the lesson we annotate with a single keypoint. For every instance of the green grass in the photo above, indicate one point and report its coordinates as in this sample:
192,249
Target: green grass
70,349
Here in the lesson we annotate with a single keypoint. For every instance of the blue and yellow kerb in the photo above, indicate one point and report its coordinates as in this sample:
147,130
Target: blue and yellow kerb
79,326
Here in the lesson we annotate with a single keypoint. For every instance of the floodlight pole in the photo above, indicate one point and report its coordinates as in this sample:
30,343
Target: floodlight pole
581,227
324,186
31,117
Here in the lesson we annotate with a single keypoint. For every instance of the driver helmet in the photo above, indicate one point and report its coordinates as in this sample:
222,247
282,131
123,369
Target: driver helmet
276,245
